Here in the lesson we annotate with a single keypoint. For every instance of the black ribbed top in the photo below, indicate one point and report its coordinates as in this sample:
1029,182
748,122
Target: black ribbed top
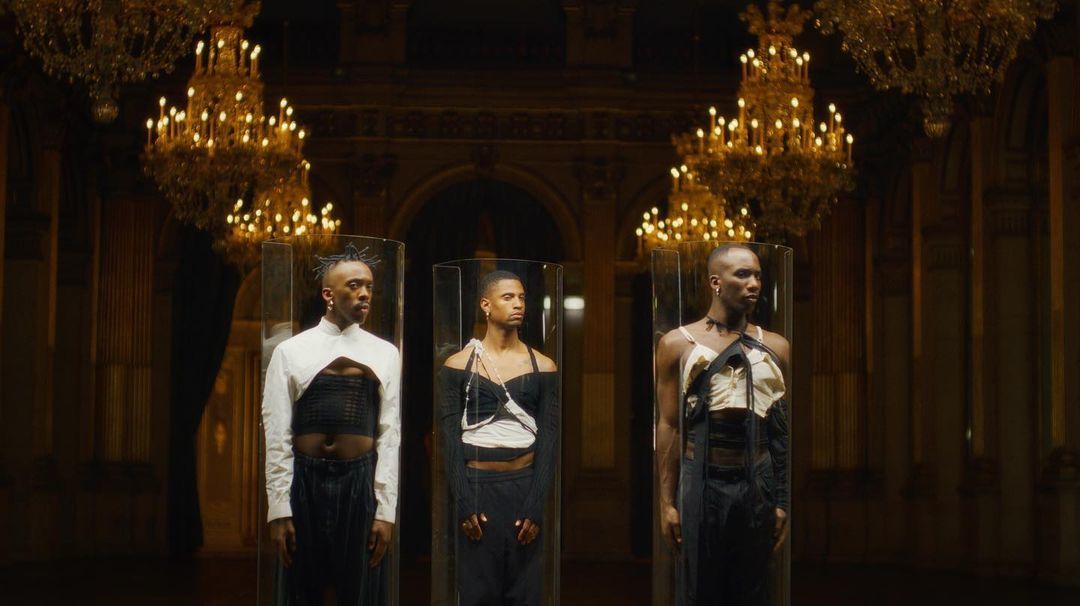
338,404
537,393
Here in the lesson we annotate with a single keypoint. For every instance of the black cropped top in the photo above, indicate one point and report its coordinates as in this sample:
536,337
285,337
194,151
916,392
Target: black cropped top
346,404
535,392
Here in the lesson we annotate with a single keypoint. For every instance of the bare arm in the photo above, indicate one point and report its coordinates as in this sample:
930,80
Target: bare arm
668,438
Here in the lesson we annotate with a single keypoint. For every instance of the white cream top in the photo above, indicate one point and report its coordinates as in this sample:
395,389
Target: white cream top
727,387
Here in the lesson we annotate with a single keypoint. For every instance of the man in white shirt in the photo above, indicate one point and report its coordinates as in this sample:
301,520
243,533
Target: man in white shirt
331,416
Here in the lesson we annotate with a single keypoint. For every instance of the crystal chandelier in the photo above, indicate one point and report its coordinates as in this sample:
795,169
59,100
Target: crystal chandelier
220,145
108,42
283,210
693,213
771,158
937,50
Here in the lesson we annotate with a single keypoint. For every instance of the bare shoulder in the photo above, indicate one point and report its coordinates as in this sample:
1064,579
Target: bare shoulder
544,363
671,345
778,344
459,360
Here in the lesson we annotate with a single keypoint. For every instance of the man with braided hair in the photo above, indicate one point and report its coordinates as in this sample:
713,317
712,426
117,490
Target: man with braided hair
331,416
724,484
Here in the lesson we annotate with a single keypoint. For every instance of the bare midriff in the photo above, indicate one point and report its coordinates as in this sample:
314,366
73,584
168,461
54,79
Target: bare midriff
342,446
521,462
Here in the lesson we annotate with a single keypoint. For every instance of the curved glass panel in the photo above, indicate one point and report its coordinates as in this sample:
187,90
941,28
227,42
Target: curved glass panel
722,479
495,485
331,393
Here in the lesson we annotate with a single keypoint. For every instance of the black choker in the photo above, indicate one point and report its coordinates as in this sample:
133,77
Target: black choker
709,323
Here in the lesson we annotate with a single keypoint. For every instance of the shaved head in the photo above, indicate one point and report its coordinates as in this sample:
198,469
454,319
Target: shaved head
717,255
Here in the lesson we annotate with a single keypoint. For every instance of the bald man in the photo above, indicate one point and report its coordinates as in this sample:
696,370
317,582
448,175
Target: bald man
332,423
724,484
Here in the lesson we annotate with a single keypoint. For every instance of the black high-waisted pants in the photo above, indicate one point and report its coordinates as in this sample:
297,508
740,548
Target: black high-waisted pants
735,540
497,570
333,506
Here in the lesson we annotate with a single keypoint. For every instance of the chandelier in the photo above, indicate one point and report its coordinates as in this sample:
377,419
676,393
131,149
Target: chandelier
936,50
108,42
771,158
283,210
693,213
220,145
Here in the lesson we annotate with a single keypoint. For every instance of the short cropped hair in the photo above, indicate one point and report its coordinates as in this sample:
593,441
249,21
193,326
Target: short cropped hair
498,275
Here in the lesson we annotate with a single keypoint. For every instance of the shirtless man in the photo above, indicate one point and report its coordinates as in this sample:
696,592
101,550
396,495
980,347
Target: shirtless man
724,485
332,423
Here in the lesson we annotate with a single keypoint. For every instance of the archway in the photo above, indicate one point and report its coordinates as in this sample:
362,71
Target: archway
478,218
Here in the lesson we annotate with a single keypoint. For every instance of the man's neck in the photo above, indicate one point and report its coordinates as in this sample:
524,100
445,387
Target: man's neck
336,320
499,339
730,318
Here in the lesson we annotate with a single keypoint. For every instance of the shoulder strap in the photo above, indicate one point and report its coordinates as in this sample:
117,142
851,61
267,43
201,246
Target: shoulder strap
760,334
532,356
686,333
468,365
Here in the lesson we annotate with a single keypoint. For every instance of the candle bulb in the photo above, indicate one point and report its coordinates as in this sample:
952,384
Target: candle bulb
674,179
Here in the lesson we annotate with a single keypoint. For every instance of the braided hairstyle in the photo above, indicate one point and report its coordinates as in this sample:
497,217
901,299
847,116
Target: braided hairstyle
350,254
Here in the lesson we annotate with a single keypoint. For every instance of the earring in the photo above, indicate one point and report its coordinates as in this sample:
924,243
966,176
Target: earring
718,292
330,304
487,315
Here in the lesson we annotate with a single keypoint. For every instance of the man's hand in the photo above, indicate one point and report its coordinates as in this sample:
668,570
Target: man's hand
671,526
528,532
379,541
472,528
780,533
283,538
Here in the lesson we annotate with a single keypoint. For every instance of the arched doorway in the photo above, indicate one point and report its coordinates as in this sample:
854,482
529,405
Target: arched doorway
479,218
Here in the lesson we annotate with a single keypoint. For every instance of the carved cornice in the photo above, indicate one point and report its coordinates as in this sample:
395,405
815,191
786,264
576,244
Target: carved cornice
465,124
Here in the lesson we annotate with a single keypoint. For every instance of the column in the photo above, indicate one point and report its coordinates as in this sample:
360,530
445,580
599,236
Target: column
29,339
1058,513
599,496
921,488
5,479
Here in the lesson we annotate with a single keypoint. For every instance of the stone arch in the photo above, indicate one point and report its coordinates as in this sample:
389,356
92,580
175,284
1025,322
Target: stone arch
539,188
1021,106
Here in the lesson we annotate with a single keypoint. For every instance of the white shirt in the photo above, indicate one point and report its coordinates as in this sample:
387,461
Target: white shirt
293,366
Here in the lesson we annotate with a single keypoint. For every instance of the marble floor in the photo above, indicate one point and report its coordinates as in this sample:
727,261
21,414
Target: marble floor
212,582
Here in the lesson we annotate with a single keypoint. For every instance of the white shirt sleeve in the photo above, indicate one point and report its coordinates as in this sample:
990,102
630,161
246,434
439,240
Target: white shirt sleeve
277,427
388,442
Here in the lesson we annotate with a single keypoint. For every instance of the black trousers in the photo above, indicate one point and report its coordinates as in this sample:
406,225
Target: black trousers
333,505
735,540
497,570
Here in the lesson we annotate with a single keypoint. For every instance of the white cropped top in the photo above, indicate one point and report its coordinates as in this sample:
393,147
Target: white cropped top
727,388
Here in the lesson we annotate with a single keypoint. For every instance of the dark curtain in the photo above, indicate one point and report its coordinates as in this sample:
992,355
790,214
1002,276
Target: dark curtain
204,290
503,219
